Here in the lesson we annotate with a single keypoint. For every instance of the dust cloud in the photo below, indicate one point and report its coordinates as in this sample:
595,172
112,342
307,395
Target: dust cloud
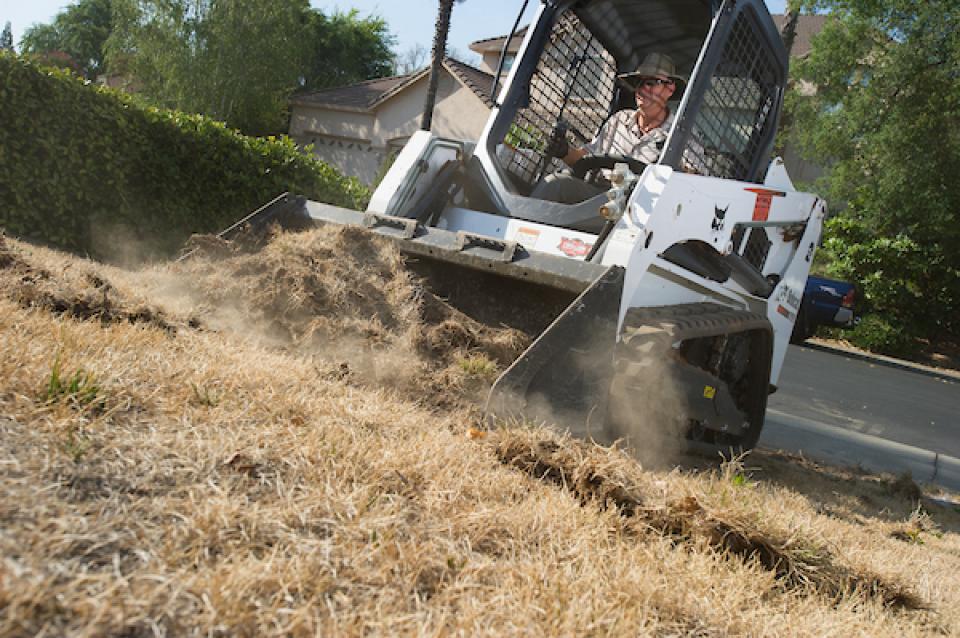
639,406
648,411
345,298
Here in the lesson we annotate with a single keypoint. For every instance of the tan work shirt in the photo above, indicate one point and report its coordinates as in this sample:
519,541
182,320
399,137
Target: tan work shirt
621,135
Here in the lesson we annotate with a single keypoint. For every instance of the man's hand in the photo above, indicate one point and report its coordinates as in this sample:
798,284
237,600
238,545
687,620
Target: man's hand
558,146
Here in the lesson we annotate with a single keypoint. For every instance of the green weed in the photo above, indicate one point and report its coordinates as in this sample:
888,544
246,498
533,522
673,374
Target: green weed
204,396
478,366
80,389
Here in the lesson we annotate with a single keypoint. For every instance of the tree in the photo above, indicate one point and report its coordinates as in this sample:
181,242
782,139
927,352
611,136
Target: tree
78,34
413,59
789,30
234,60
440,33
886,120
6,38
345,48
239,60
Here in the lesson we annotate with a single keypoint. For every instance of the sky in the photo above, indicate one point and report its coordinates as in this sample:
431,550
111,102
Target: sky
410,21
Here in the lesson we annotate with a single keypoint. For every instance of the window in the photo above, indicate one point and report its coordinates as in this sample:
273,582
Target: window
574,80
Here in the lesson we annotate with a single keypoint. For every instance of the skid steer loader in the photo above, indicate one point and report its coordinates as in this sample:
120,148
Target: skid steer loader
669,298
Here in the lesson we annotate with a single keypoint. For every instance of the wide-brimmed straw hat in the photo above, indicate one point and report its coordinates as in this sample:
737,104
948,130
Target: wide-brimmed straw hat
654,65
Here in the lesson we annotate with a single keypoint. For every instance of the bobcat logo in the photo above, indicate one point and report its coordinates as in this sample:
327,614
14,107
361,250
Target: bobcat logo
718,216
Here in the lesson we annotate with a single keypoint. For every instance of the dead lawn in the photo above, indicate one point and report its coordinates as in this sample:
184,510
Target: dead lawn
228,447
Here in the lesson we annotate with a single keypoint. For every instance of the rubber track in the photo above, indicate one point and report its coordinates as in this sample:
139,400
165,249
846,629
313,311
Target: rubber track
649,333
688,321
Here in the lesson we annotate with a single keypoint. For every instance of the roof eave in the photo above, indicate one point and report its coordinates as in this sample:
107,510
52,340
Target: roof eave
331,107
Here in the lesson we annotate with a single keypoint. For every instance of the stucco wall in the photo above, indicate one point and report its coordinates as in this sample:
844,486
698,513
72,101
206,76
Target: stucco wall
355,159
358,143
489,61
458,113
310,120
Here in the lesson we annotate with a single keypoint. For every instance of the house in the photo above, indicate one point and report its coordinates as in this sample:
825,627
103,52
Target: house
491,48
807,27
359,128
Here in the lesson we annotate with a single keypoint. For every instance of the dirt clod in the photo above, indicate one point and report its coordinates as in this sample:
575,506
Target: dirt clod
347,295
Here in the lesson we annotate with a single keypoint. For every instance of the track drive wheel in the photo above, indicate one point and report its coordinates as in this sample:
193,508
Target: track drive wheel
694,375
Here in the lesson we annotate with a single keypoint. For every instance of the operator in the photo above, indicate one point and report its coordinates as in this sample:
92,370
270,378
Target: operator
639,133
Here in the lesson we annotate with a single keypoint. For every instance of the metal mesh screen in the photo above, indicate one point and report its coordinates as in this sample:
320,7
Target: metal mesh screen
737,108
574,81
754,251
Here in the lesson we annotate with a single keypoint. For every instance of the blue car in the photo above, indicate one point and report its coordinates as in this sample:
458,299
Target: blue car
826,302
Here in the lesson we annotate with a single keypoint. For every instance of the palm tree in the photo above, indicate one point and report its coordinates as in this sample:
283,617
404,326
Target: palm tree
439,51
789,31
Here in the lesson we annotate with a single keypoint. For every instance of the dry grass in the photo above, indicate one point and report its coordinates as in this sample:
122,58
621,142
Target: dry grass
228,451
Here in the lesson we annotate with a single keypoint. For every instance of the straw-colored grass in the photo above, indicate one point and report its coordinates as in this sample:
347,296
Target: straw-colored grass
188,450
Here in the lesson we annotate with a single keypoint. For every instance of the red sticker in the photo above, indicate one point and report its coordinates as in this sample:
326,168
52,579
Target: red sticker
783,311
761,210
574,247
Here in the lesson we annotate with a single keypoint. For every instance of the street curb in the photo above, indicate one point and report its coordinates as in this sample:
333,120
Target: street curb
879,359
838,446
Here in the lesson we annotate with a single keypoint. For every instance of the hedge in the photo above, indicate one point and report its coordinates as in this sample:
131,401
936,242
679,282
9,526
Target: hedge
91,170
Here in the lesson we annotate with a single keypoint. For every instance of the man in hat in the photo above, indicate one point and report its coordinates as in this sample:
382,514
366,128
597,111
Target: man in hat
639,133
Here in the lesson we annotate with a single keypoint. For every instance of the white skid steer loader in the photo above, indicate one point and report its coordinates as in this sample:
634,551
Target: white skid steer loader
669,283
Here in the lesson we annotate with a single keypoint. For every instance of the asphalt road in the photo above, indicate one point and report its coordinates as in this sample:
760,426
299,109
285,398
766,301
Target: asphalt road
890,403
840,409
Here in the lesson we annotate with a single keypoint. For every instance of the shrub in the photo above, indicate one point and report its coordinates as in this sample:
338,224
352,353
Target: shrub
86,168
877,333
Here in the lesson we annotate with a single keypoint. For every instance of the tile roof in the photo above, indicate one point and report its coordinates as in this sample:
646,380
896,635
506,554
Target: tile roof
480,82
807,27
355,97
496,43
365,96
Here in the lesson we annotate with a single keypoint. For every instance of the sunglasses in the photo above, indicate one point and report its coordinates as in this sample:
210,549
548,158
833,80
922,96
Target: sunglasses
653,82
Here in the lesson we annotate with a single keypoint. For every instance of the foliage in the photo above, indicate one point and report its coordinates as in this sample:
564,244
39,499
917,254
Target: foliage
884,118
233,60
880,333
345,48
77,35
79,164
524,136
6,37
79,389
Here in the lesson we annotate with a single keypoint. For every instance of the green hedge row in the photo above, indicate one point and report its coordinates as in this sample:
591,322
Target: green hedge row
94,171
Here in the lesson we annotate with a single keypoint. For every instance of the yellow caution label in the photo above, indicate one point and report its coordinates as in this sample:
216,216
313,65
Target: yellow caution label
709,392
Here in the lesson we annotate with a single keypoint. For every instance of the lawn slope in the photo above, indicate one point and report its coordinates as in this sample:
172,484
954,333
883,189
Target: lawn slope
286,443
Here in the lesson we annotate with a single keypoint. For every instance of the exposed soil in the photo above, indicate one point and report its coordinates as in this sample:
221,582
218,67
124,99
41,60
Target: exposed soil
802,565
79,294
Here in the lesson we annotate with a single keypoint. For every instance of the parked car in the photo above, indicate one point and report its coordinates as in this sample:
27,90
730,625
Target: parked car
826,302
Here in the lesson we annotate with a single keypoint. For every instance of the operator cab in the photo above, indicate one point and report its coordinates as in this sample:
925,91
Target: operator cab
566,71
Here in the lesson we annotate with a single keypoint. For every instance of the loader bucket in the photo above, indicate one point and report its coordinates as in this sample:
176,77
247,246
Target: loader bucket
568,307
564,376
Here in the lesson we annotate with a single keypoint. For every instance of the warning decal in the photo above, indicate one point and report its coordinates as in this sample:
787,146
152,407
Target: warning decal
574,247
761,210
